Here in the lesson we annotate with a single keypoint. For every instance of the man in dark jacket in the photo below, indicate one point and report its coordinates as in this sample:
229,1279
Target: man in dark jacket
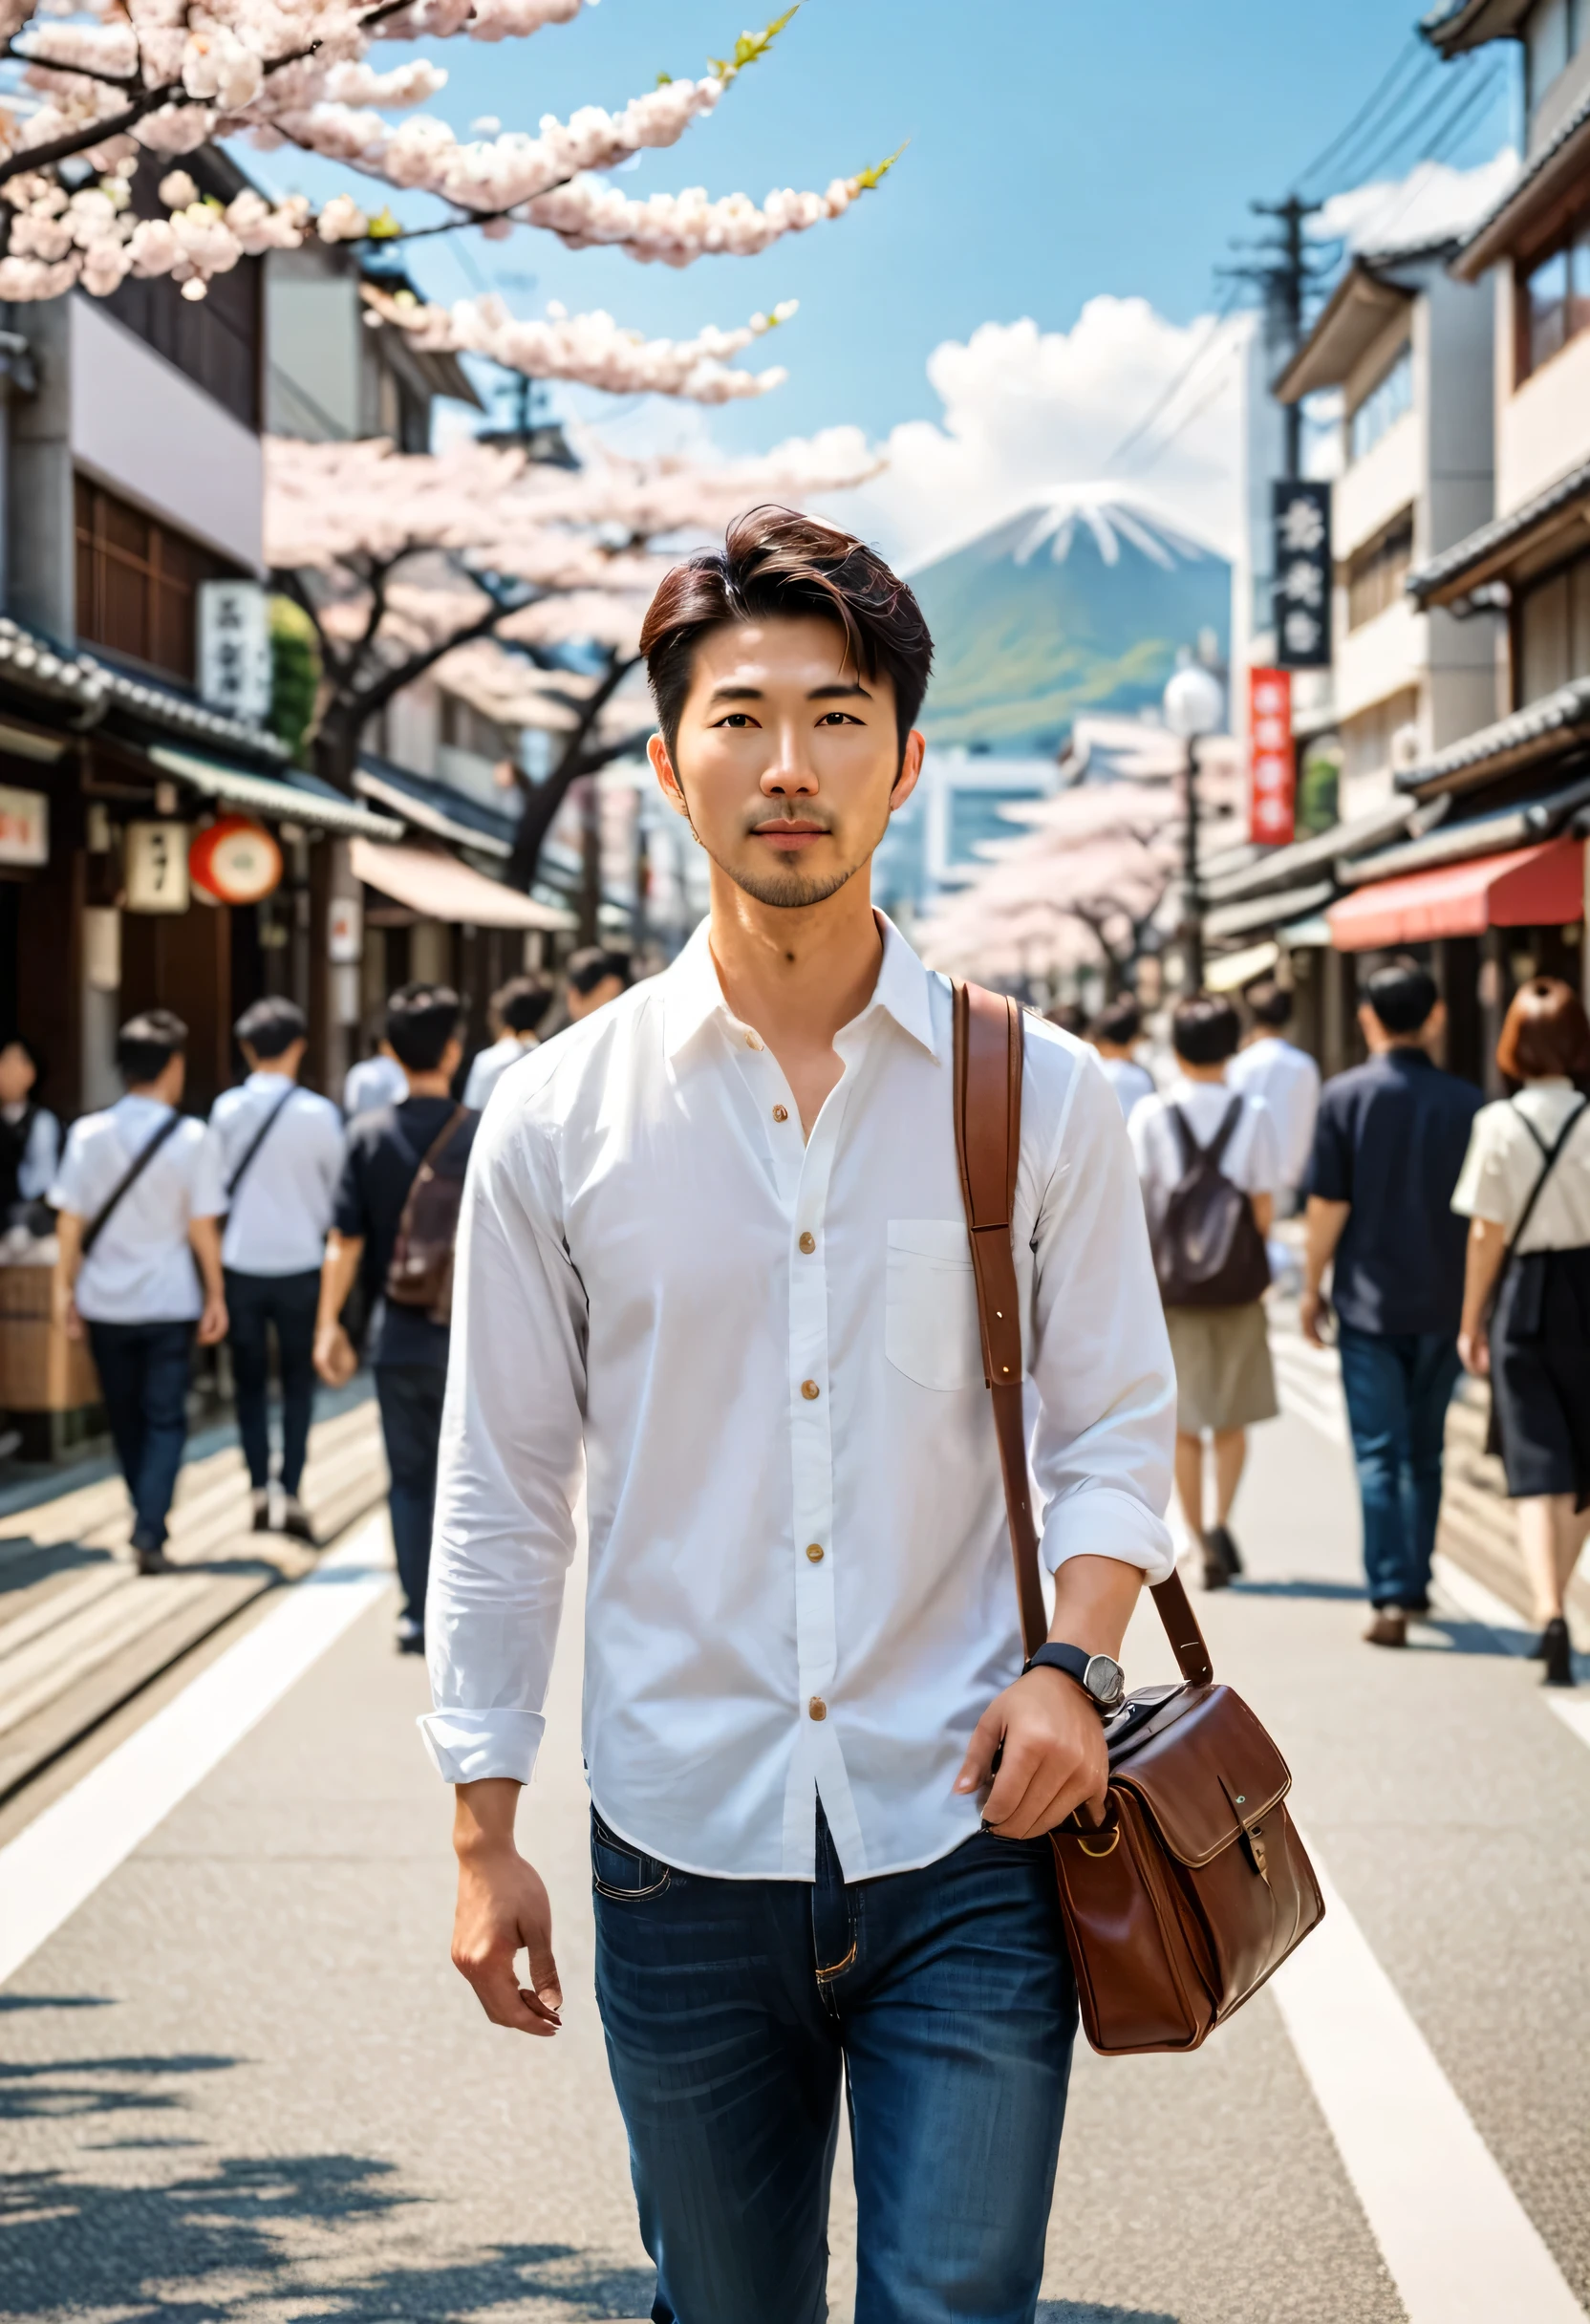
407,1346
1387,1148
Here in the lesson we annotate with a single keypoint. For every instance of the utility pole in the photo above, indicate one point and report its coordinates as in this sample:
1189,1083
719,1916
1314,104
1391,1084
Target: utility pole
1283,269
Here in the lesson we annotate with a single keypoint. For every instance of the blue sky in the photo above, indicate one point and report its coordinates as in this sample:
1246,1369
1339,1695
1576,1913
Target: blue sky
1056,151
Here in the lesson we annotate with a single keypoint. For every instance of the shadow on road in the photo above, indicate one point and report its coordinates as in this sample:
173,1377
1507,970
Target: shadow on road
1072,2312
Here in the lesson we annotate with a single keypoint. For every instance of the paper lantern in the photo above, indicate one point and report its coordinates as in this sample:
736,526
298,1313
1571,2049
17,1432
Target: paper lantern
236,860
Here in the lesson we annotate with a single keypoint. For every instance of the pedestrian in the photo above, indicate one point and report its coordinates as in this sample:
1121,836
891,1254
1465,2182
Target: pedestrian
1069,1017
1210,1162
30,1137
281,1154
517,1008
374,1082
393,1218
1387,1148
1526,1302
138,1198
1270,1066
715,1261
591,979
1115,1033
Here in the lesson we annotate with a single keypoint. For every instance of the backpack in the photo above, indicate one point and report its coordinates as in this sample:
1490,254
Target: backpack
420,1274
1208,1249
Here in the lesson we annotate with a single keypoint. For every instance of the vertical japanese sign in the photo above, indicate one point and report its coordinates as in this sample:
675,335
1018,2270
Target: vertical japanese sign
234,649
1302,566
155,865
1272,773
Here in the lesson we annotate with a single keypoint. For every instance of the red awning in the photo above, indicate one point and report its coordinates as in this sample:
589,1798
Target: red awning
1528,888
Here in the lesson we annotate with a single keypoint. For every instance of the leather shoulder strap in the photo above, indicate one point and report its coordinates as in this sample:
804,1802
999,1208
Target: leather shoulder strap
258,1140
988,1062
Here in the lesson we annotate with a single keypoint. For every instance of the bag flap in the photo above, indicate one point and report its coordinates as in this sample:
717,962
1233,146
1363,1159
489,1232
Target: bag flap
1204,1769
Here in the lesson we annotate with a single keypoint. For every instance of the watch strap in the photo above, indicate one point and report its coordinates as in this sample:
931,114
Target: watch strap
1069,1659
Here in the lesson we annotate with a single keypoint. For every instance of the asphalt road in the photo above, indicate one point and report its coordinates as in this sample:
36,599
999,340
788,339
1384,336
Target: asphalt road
242,2082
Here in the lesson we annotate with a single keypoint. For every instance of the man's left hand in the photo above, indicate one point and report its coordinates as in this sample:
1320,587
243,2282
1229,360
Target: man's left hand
212,1324
1054,1756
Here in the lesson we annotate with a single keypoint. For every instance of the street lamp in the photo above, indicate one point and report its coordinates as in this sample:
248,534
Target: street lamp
1194,706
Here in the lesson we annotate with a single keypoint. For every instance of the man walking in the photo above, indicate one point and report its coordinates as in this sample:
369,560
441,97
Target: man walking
517,1008
1270,1066
281,1156
1115,1033
715,1261
1388,1151
138,1198
373,1213
591,979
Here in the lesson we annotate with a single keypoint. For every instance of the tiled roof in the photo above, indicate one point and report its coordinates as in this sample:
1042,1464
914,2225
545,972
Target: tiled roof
70,674
1527,734
1483,244
1477,549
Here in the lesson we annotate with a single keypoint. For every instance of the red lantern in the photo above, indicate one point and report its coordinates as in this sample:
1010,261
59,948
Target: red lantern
236,860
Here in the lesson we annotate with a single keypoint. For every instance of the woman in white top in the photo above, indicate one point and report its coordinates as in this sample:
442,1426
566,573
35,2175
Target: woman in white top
1526,1188
1225,1381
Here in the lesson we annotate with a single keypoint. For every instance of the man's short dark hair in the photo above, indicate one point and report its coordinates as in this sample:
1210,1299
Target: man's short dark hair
1120,1021
1205,1030
1069,1017
776,562
146,1044
588,969
421,1020
522,1003
1402,995
269,1027
1269,1003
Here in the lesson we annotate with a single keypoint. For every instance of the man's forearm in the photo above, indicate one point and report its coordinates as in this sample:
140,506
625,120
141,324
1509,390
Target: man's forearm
1322,1231
205,1235
1094,1598
337,1270
483,1814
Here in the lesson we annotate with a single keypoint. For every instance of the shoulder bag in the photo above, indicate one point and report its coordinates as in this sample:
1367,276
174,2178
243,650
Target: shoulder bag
422,1269
1195,1886
125,1184
258,1140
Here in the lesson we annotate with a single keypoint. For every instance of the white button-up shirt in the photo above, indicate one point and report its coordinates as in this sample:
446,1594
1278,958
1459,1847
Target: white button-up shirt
1288,1081
768,1352
277,1219
142,1269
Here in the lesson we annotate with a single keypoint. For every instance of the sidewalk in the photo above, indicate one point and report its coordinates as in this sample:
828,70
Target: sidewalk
82,1631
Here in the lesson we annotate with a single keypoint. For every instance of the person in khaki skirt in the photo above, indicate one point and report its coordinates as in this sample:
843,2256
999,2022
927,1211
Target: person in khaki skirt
1198,1129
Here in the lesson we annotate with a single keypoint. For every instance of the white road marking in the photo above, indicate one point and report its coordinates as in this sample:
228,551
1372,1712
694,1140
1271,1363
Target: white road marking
1459,2245
59,1860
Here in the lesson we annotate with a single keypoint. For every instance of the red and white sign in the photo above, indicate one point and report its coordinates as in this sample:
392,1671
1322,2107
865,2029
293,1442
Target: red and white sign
1272,763
236,860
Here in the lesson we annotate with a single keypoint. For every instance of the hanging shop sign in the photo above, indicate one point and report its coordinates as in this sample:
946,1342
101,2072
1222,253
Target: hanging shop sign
345,930
234,649
24,826
155,866
1300,508
237,861
1272,770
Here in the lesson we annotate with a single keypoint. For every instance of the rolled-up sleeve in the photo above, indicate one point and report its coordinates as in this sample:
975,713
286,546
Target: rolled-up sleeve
1099,1356
511,1461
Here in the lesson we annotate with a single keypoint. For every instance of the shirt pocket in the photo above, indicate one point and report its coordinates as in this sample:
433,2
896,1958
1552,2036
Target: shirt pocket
930,1319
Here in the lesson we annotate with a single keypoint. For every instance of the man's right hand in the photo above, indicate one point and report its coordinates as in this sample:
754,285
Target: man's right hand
503,1905
334,1355
1311,1310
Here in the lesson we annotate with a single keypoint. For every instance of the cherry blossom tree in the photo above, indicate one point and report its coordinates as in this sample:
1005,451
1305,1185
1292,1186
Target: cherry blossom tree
522,586
108,85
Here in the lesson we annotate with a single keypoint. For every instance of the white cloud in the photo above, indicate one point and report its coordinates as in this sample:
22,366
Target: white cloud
1432,200
1027,412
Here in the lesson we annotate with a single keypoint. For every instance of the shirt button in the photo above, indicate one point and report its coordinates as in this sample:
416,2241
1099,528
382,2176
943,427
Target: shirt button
751,1042
780,1113
810,1391
818,1708
808,1242
814,1551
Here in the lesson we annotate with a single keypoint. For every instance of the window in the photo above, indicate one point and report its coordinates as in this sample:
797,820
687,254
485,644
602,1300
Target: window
1375,575
1552,632
137,583
1551,37
463,727
1390,397
1553,297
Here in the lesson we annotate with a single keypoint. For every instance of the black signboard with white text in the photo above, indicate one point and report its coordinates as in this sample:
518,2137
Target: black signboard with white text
1303,569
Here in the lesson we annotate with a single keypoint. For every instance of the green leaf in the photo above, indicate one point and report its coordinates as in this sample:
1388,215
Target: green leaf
865,179
665,80
750,48
383,226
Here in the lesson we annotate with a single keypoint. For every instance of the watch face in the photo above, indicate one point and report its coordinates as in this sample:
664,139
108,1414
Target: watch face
1106,1681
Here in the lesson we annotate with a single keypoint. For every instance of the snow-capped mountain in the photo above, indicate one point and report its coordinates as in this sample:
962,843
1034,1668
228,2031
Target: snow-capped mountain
1077,604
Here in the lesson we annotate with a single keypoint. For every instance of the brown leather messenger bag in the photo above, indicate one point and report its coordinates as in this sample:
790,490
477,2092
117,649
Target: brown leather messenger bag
1195,1886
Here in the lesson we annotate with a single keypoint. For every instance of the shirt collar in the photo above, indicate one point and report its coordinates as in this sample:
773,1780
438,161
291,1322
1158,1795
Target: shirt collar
693,994
267,1081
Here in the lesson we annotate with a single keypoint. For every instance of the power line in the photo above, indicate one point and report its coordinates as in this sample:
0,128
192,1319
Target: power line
1211,394
1168,395
1472,96
1414,51
1463,74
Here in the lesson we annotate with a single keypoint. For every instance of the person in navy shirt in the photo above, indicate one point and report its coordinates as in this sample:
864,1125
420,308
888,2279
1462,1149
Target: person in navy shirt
1388,1147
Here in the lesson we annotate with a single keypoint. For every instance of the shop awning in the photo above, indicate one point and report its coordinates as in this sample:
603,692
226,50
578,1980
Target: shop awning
269,795
438,887
1229,971
1528,888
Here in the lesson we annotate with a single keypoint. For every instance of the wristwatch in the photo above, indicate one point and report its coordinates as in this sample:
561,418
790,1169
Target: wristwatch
1100,1676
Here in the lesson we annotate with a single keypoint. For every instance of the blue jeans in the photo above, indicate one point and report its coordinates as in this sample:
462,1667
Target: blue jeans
253,1304
729,2009
1398,1385
143,1378
410,1400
